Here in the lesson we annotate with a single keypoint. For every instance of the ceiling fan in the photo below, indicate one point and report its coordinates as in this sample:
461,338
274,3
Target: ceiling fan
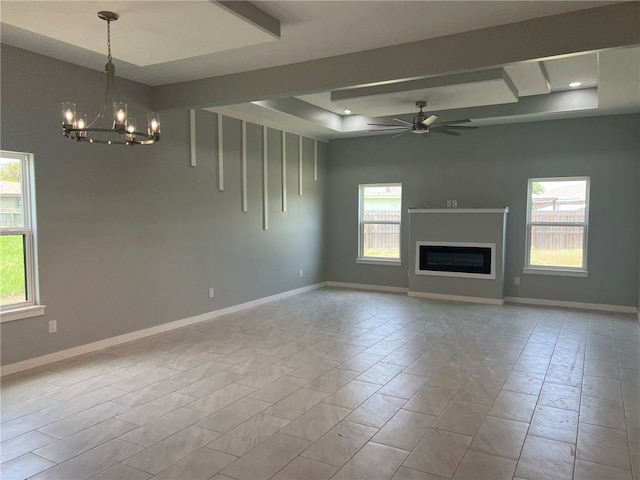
424,124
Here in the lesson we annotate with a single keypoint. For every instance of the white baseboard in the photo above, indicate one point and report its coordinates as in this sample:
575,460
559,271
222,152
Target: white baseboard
457,298
365,286
578,305
489,301
147,332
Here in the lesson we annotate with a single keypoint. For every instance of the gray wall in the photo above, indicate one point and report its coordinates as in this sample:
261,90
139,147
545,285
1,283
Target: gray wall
130,238
489,167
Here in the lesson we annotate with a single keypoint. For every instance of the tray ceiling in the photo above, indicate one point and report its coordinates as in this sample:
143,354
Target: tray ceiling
298,65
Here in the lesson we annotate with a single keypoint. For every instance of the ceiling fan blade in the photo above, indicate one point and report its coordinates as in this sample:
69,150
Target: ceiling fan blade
385,130
386,125
429,120
459,127
401,121
455,122
401,133
445,131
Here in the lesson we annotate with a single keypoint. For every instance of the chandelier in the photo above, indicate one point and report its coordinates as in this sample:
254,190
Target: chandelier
123,130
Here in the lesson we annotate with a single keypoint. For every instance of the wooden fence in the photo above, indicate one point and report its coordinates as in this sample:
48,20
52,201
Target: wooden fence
11,218
387,236
557,237
382,236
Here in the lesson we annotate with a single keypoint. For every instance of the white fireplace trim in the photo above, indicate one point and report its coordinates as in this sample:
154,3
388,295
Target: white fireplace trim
483,276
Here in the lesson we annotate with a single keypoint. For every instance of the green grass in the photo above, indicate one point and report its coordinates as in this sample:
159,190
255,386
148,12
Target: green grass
382,252
557,258
12,281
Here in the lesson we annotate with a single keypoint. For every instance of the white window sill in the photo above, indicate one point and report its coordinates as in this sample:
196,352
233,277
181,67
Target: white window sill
556,271
22,312
379,261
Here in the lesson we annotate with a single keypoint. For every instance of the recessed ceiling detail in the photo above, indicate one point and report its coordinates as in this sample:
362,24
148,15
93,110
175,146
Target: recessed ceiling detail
473,89
151,32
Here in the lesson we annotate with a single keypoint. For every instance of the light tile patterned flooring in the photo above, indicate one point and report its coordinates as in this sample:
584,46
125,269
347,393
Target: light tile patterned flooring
341,384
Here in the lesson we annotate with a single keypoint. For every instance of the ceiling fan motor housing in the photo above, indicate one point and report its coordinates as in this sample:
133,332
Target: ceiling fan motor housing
418,126
419,118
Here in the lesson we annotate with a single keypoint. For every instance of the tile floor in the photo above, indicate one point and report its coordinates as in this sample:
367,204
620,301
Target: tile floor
341,384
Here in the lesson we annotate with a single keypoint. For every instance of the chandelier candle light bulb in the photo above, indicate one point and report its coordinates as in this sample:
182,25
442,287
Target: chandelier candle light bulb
153,124
81,124
119,115
69,114
123,130
131,129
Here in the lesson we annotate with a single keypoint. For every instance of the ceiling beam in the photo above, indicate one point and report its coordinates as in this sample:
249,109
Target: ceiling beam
588,30
250,13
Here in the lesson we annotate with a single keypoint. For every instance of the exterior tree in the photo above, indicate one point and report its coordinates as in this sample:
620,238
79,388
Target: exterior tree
538,188
10,172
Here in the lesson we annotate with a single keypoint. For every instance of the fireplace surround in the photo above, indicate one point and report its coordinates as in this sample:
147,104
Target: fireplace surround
458,254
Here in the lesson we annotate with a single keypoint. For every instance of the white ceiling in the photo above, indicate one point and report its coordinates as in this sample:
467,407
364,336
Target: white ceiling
160,43
145,36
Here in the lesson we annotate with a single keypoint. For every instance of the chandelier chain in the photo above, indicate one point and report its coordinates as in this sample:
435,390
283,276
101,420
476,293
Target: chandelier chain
109,40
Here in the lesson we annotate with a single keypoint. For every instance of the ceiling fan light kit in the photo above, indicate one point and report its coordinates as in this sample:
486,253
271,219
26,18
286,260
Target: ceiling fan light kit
123,130
424,124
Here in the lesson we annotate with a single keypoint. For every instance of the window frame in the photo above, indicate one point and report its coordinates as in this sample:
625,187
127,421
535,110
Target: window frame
362,223
581,271
31,306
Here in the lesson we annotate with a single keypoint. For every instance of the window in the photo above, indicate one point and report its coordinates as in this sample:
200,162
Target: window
18,297
379,223
557,221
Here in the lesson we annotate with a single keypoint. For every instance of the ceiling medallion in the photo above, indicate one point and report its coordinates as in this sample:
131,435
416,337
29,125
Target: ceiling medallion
123,130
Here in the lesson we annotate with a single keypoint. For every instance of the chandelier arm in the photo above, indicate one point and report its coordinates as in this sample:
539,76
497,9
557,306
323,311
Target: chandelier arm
103,109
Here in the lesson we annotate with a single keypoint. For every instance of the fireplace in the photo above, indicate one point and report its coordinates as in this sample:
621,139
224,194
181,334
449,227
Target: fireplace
456,259
458,254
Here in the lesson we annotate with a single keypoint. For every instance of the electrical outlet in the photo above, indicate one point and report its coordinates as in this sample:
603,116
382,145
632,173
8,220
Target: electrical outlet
516,280
448,203
53,326
211,293
454,203
300,273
